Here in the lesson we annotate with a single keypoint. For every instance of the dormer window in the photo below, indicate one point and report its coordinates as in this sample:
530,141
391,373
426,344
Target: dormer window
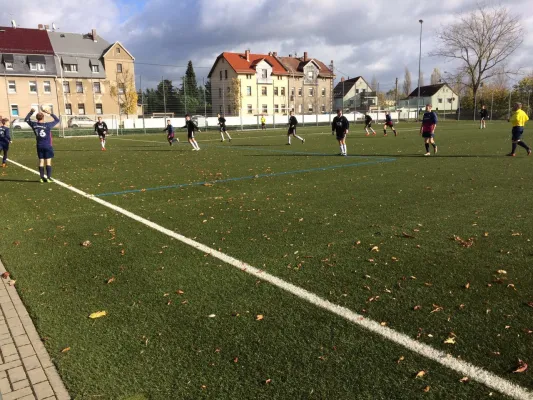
9,65
264,73
311,75
9,61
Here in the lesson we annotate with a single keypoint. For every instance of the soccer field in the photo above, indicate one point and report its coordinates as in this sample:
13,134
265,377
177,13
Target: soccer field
381,275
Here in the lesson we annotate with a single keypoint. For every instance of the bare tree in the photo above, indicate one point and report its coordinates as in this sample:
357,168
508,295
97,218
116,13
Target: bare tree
435,76
481,41
407,82
374,83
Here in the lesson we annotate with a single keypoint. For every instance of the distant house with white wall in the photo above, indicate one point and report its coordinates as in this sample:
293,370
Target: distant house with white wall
440,96
354,93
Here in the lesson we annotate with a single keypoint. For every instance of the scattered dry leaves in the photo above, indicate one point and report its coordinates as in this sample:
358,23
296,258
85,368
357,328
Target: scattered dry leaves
259,317
98,314
111,280
464,379
86,243
420,374
450,340
521,367
427,389
66,349
5,275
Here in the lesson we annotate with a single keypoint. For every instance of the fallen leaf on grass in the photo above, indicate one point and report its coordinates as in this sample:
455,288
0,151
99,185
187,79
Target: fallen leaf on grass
400,359
12,283
268,381
407,236
522,367
516,234
464,379
530,304
375,249
212,315
501,272
467,286
111,280
5,275
236,360
179,291
486,234
450,340
259,317
86,243
420,374
416,308
98,314
427,389
436,308
383,324
66,349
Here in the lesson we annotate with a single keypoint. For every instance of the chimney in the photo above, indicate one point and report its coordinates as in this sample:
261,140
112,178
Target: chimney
275,53
270,54
342,79
47,27
305,55
93,35
247,55
40,27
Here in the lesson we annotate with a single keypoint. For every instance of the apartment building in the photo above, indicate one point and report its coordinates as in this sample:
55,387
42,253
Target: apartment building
27,72
265,84
74,74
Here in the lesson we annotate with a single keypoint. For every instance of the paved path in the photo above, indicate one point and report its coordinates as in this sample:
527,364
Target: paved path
26,371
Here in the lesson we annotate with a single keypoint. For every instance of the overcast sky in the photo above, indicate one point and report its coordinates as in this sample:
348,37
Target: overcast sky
365,38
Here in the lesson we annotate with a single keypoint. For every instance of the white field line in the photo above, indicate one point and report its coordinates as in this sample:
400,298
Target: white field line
461,367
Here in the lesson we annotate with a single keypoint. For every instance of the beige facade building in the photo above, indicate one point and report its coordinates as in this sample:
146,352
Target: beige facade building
265,84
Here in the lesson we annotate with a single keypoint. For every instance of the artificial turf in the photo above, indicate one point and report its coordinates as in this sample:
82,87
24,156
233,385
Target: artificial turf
434,247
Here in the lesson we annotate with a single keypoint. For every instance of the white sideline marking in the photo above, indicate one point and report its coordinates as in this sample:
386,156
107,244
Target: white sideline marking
462,367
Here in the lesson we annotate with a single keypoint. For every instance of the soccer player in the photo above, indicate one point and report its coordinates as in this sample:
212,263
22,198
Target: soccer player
518,119
388,122
5,140
427,130
43,134
170,133
368,125
100,128
263,122
340,126
222,124
483,113
293,122
191,128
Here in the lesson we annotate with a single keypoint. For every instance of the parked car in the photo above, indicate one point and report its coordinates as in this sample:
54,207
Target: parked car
19,123
199,120
80,122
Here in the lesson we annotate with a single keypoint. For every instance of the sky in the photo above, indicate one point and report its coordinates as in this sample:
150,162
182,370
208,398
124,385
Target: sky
378,38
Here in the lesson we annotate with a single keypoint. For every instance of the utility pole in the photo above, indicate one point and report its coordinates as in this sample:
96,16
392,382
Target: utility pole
396,93
164,97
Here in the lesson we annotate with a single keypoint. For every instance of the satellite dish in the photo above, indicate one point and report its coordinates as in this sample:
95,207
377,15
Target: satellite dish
13,23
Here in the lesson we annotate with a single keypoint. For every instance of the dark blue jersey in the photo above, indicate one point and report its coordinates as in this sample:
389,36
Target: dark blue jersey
222,121
388,118
368,119
429,121
100,128
483,113
169,129
293,122
5,137
42,130
340,124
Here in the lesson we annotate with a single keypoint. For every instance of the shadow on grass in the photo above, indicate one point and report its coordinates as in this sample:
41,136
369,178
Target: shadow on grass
376,155
18,180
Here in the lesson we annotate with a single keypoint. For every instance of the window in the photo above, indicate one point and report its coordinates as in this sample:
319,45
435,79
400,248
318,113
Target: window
11,87
283,109
50,107
47,88
225,74
70,67
33,66
276,108
33,86
440,101
68,109
81,109
118,50
96,87
363,91
40,67
357,91
310,75
248,76
14,110
79,87
323,92
310,108
323,108
292,91
119,68
276,91
99,109
220,92
121,88
283,91
9,65
264,90
300,92
311,92
299,108
248,90
220,74
95,68
264,73
250,109
66,87
264,107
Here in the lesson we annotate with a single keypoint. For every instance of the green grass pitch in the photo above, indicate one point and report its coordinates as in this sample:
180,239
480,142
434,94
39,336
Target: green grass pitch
434,247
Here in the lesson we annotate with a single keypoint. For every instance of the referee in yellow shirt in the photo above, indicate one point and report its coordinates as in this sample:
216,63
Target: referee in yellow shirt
518,119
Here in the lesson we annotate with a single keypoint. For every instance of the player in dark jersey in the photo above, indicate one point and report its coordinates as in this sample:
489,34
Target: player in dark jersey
293,123
427,130
340,126
43,135
388,122
100,128
5,140
222,125
483,114
191,128
368,125
170,133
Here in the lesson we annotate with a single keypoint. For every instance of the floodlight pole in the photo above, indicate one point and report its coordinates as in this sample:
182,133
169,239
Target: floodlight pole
419,70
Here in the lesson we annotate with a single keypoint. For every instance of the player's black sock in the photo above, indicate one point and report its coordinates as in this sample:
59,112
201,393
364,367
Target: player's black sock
522,144
5,157
49,171
41,172
514,148
434,145
384,131
427,147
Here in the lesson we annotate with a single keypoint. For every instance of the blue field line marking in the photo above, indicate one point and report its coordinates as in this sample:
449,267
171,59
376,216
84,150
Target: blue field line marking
242,178
277,151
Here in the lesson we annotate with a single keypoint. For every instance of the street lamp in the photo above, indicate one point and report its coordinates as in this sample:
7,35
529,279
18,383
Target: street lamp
419,67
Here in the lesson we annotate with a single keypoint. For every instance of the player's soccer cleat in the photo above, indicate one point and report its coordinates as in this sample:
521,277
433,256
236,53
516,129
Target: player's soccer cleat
368,134
229,140
303,140
42,180
435,149
344,154
4,165
427,154
287,144
511,155
49,180
222,140
384,134
529,152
